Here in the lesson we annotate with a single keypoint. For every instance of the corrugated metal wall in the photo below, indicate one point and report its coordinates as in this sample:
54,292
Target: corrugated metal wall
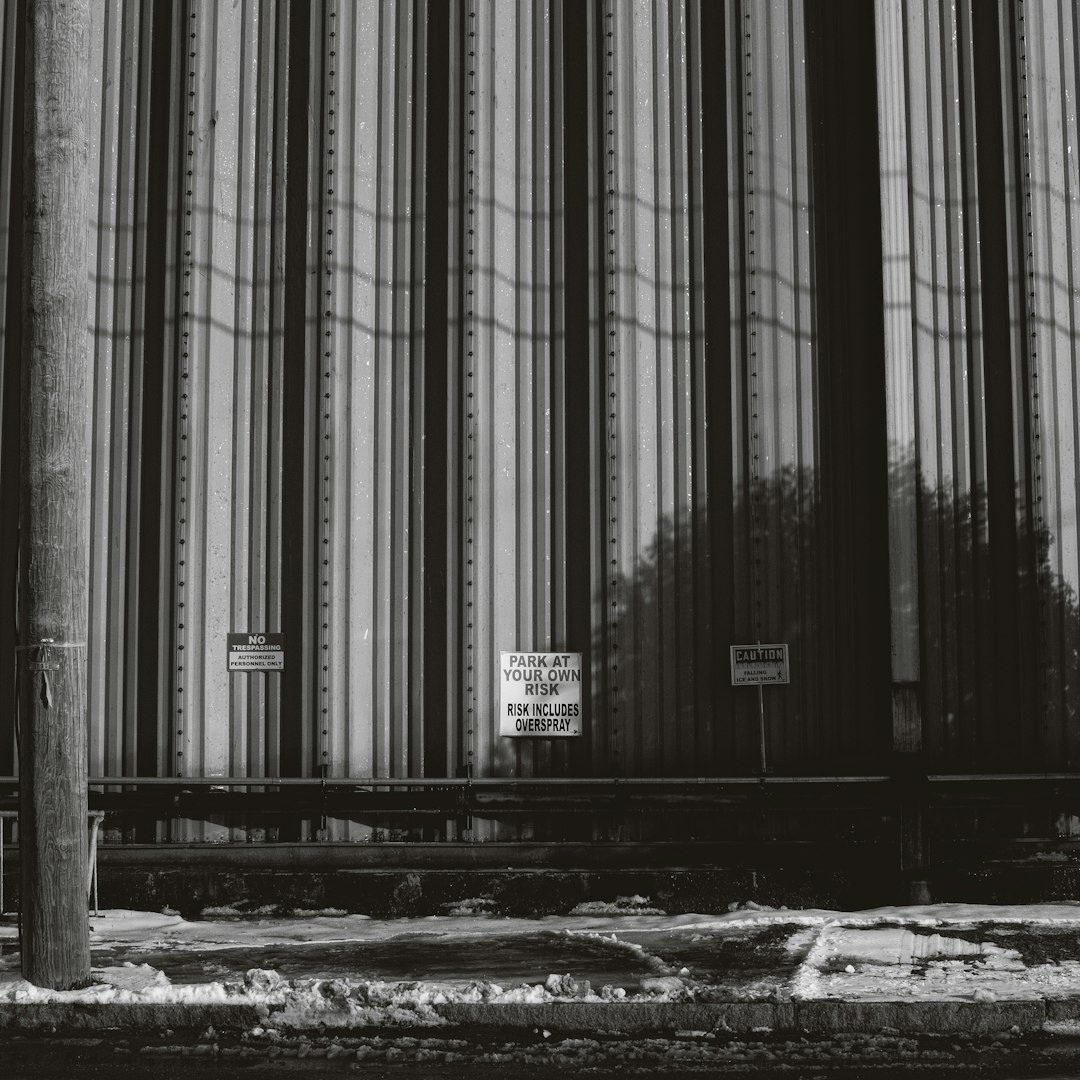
1048,61
977,175
426,331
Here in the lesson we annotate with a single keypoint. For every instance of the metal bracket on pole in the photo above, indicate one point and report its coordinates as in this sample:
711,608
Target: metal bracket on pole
44,660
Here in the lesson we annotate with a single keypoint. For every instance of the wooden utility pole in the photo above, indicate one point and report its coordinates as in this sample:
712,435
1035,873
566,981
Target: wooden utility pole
53,506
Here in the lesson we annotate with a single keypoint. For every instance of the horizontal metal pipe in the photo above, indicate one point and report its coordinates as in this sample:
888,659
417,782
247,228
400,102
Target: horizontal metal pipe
954,778
457,781
557,781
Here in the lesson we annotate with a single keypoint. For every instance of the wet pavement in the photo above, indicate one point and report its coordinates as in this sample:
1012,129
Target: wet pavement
748,963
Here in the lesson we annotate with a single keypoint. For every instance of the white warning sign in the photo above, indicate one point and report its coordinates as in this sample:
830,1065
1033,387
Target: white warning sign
758,665
256,652
539,694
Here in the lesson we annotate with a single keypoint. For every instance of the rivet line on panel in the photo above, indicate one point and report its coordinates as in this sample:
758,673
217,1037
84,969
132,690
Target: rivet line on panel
183,486
611,372
757,522
1045,660
471,43
325,425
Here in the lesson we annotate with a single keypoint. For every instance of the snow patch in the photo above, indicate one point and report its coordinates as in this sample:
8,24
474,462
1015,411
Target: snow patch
136,978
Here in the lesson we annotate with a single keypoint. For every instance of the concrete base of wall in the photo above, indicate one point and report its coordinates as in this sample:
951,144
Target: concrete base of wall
390,880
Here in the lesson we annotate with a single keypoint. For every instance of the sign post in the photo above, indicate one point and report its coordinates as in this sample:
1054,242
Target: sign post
758,665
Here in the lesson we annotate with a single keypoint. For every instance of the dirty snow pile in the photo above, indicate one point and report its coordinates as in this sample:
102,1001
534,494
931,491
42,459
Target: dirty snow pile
282,1003
900,963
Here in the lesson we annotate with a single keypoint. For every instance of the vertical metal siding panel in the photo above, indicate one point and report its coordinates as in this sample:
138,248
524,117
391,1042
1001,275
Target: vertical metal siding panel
110,275
249,746
223,409
551,202
931,287
1015,226
172,648
924,250
460,110
140,422
657,364
304,376
118,284
781,375
633,665
599,705
969,394
507,379
351,237
679,718
1026,723
369,254
1050,32
577,548
706,673
671,340
682,433
239,302
806,607
200,570
325,189
698,744
743,739
943,443
536,191
638,388
504,598
402,356
219,414
460,244
415,685
265,177
961,292
385,545
904,575
275,139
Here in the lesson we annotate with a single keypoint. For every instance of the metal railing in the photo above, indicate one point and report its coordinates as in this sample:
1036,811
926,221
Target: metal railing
95,818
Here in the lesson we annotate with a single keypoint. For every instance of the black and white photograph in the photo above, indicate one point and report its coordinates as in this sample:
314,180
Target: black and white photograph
539,538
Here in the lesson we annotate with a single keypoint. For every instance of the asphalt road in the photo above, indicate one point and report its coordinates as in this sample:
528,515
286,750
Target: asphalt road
491,1056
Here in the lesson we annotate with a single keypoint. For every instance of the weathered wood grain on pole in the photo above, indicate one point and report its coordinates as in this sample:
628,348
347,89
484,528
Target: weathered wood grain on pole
53,506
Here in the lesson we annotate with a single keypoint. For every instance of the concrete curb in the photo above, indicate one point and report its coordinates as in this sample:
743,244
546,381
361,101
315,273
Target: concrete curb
112,1016
804,1017
824,1018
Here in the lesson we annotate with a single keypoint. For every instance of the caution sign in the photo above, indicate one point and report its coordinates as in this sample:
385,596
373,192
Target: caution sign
539,694
256,652
758,665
